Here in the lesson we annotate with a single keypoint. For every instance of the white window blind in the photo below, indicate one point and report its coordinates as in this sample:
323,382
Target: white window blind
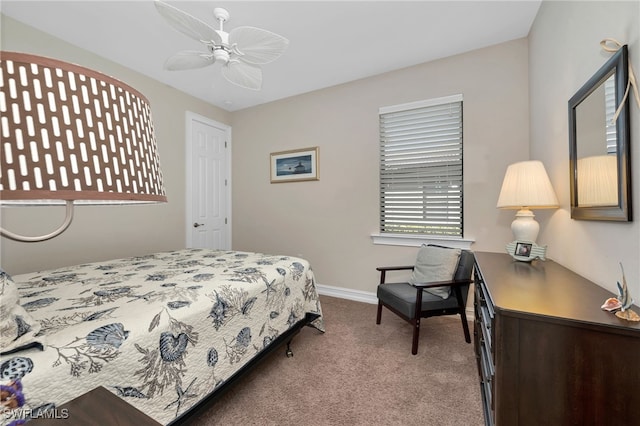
421,168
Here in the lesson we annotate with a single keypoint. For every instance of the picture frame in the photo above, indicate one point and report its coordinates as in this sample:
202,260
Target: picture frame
295,165
523,249
526,251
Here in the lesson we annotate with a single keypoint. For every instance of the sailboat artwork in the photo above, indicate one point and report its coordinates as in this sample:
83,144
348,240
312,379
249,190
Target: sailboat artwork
622,304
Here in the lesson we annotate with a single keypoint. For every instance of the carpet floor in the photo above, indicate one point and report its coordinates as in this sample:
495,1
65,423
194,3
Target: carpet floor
360,373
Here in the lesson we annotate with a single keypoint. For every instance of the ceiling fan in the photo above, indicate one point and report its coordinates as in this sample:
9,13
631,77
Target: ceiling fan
241,51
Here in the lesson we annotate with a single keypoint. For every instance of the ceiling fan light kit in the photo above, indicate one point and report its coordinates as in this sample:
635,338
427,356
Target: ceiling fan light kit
240,51
221,55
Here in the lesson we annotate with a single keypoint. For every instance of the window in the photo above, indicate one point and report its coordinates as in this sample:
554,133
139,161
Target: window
421,168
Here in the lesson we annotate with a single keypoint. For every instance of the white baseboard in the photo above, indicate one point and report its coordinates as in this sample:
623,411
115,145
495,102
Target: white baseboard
361,296
347,293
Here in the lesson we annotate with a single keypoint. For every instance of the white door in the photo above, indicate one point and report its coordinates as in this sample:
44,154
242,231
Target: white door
208,183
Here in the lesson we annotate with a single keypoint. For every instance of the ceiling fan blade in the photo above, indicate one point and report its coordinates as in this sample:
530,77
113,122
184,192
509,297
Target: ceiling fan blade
187,24
243,74
188,59
257,46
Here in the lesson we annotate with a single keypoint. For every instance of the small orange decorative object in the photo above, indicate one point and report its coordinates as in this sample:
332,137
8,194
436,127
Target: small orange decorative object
628,315
611,304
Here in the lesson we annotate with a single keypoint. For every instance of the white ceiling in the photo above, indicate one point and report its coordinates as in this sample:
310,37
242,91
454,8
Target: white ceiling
331,42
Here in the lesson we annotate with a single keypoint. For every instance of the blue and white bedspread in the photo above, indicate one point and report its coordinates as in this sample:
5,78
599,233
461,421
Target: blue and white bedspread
161,331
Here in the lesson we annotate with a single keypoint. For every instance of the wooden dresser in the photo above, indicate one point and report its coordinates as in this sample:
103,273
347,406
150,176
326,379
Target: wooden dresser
547,354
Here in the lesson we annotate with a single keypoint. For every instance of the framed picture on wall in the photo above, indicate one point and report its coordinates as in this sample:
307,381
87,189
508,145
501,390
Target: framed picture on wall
295,165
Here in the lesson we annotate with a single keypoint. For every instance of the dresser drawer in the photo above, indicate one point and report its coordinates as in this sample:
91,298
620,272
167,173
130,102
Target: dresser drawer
484,348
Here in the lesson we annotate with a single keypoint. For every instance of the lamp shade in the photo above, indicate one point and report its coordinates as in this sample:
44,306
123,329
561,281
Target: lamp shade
73,134
597,181
526,185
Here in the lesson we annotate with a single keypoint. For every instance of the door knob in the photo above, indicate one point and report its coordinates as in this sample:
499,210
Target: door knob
196,224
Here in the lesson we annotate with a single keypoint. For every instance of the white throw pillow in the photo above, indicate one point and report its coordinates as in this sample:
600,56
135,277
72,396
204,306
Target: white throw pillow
435,264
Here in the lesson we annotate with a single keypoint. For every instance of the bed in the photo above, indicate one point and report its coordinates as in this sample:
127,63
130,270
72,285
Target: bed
166,331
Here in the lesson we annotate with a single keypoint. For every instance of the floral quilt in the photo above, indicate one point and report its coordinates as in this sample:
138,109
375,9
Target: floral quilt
161,331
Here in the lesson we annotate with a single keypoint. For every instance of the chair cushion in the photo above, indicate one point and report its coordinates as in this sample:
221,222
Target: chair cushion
402,298
435,263
17,328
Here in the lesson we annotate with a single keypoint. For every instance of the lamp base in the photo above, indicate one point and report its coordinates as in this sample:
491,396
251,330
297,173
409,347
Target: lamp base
525,227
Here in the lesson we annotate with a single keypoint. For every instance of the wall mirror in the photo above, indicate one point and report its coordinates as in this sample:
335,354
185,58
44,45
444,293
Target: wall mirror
599,152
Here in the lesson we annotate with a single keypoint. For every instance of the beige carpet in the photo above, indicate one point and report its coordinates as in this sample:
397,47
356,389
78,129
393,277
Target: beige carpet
360,373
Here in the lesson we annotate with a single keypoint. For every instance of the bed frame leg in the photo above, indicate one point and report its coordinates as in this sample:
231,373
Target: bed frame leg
289,352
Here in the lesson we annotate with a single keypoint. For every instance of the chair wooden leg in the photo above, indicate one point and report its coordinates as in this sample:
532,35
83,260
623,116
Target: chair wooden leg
379,312
416,321
463,314
465,327
416,336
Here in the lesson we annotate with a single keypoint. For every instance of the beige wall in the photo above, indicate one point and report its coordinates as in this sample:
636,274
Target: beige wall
99,233
564,52
330,221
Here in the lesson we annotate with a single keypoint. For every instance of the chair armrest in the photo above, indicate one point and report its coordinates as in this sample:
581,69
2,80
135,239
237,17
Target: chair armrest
393,268
384,269
452,283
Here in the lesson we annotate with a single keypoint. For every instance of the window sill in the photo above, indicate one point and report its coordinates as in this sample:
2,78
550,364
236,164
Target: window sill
418,240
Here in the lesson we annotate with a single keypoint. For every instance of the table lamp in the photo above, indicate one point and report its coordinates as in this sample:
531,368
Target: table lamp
526,186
